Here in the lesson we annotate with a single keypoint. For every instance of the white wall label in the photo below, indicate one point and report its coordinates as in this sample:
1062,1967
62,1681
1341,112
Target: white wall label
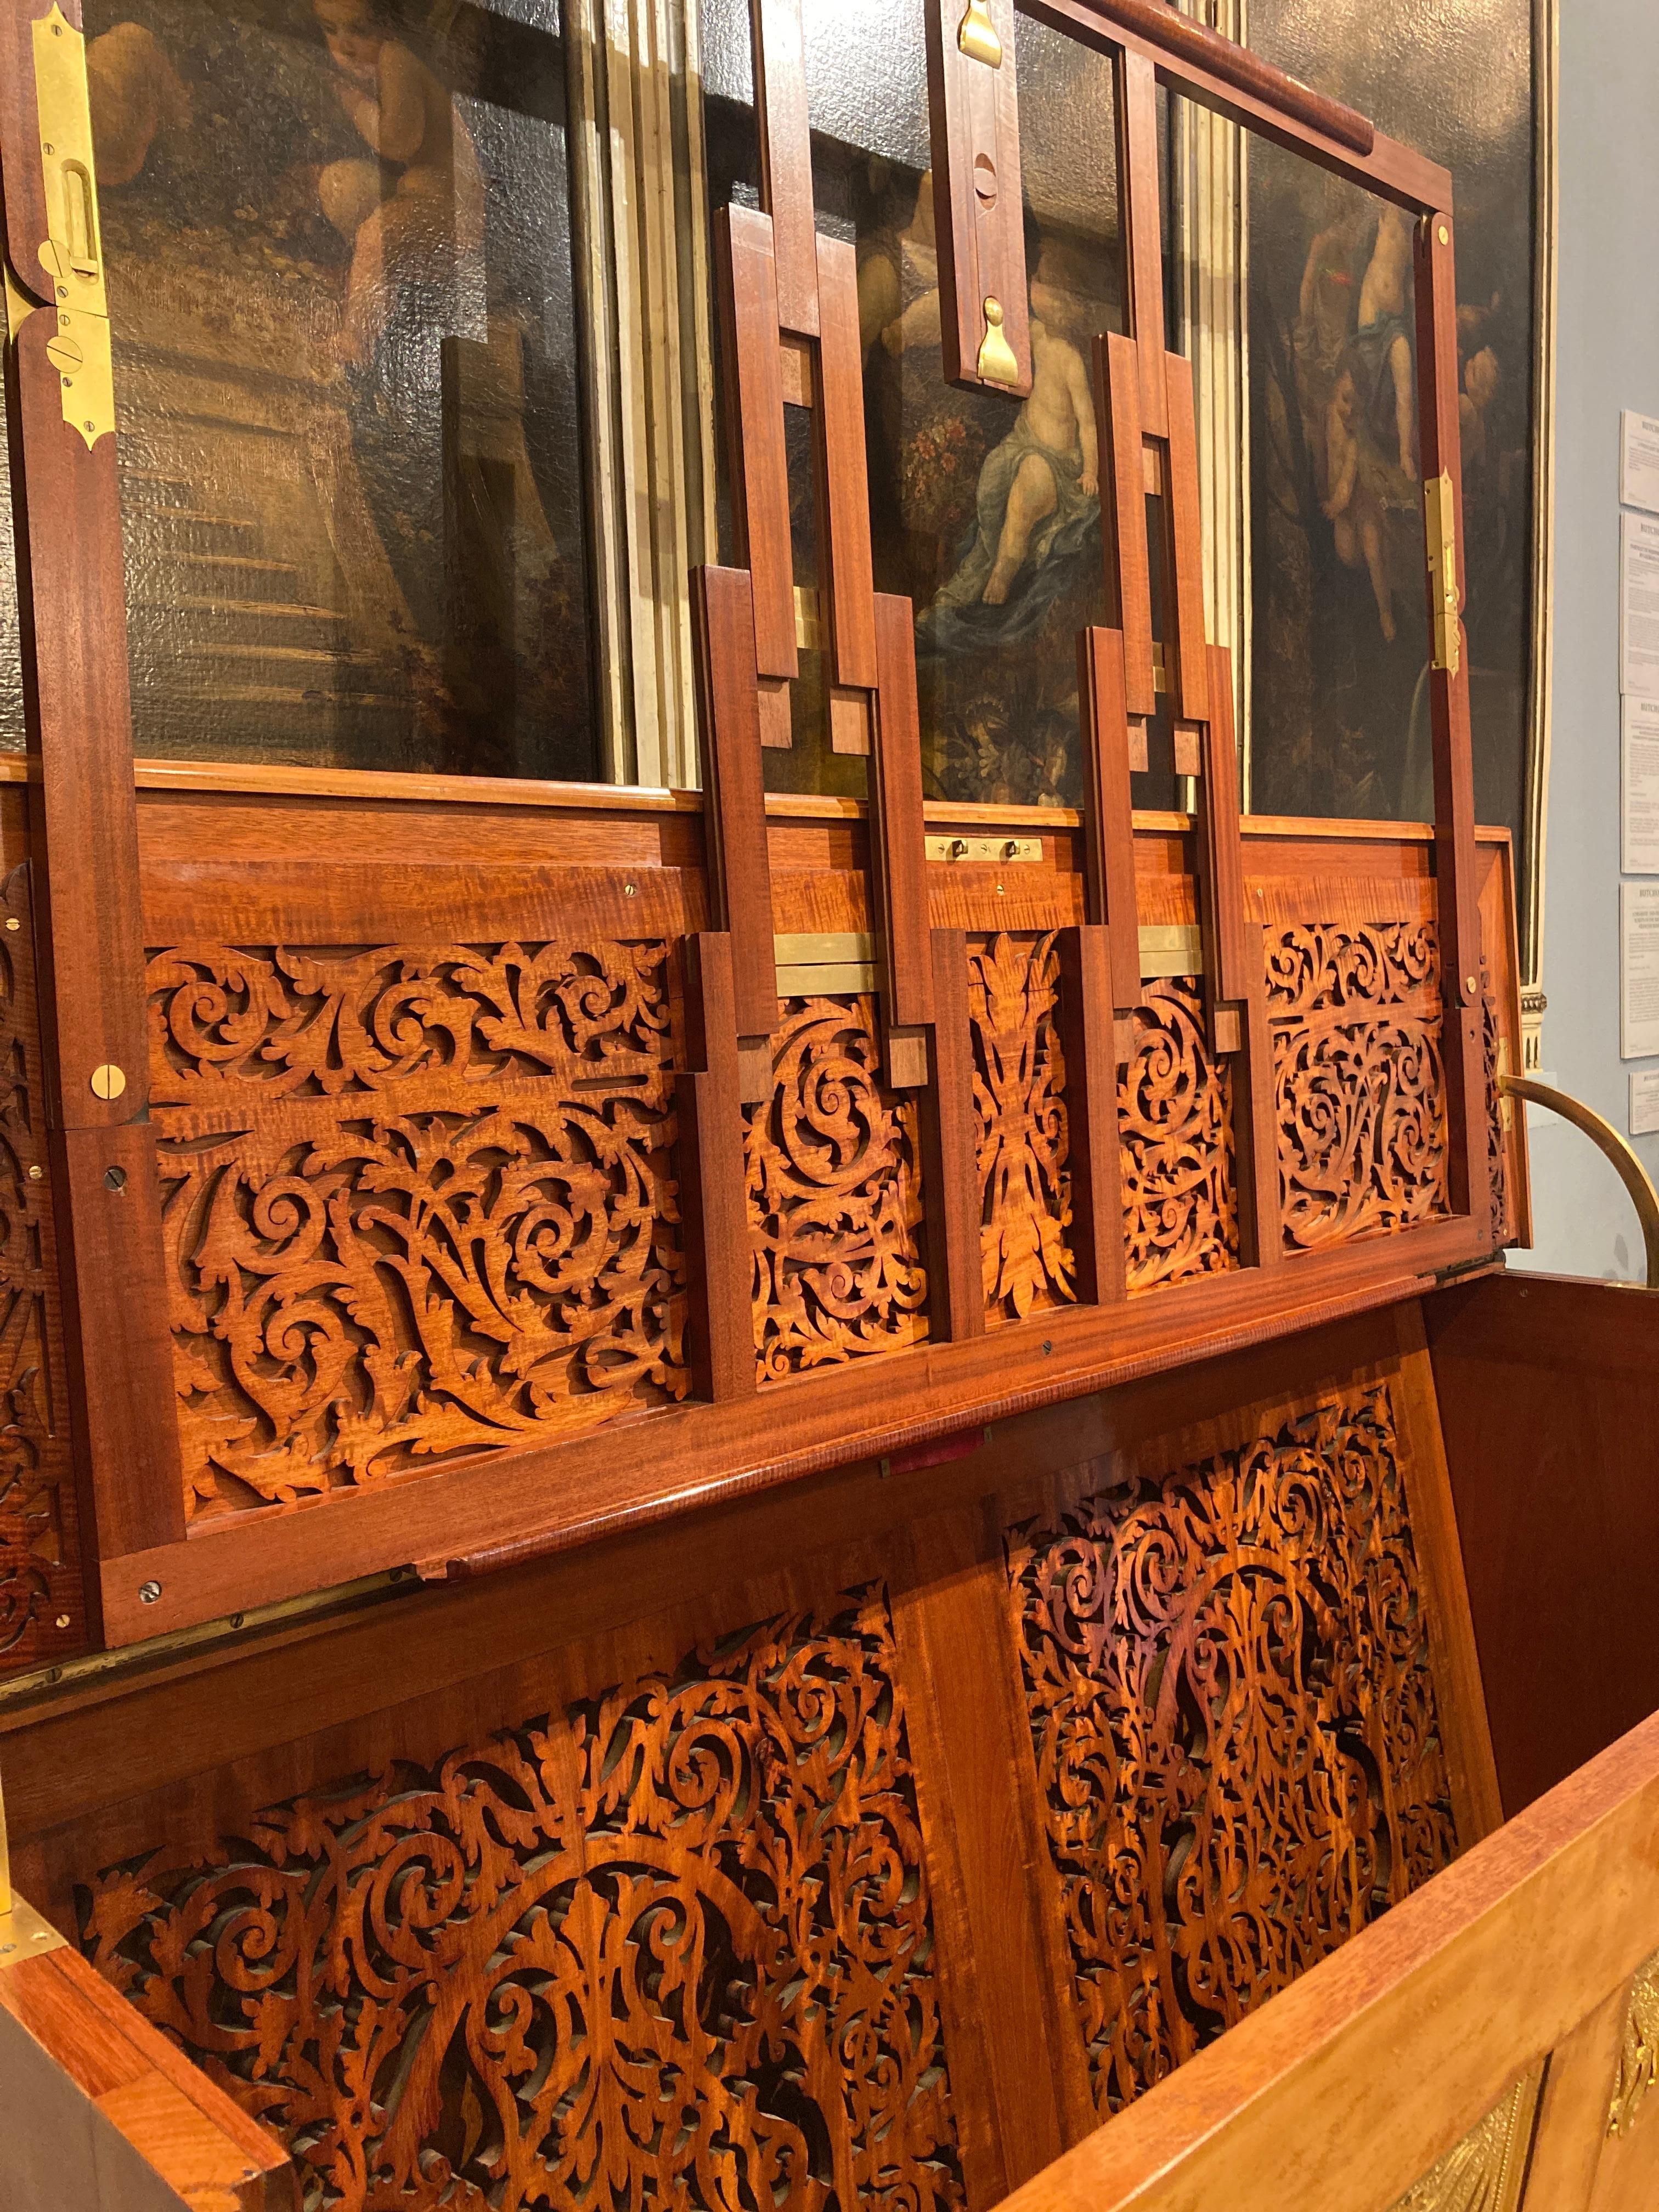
1638,605
1638,460
1644,1103
1639,971
1638,821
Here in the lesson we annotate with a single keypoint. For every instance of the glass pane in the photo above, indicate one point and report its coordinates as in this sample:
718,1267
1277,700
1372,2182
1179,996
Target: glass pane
346,374
1343,729
985,511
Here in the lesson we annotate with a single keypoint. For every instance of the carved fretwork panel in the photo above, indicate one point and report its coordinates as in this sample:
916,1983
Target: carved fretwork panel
1235,1722
834,1196
1019,1083
42,1607
417,1201
1175,1132
1360,1088
1497,1150
671,1947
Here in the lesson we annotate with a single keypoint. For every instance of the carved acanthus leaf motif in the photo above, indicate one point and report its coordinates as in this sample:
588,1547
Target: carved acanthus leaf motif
834,1196
1176,1133
1019,1080
671,1947
1228,1679
1359,1087
417,1202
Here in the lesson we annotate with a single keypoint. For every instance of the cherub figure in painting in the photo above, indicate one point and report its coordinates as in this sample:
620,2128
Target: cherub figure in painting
1045,475
429,223
1351,504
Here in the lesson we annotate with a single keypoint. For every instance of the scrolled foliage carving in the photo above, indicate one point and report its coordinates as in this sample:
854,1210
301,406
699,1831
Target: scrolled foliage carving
417,1202
1359,1085
1019,1104
672,1947
42,1607
1175,1137
834,1196
1235,1719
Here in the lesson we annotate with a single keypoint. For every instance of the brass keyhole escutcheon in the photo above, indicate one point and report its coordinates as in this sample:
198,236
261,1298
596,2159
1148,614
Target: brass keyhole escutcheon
997,364
976,35
108,1081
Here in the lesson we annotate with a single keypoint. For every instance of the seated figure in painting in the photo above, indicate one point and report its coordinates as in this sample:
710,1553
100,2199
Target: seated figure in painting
1384,343
1354,504
429,226
1044,477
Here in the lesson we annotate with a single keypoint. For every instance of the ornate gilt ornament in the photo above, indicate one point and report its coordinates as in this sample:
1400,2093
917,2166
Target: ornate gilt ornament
1486,2171
1638,2056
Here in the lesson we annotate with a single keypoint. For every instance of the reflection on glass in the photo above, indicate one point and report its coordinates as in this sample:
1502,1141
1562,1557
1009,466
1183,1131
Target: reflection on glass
1340,668
1348,735
985,511
338,239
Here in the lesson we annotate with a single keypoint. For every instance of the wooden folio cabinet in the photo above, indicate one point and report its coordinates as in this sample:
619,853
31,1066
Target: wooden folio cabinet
748,1498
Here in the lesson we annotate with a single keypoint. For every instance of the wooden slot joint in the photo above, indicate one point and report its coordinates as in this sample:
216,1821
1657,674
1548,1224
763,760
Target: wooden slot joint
1141,225
950,1171
844,492
730,738
898,848
978,198
1109,820
719,1335
1123,514
785,159
1091,1043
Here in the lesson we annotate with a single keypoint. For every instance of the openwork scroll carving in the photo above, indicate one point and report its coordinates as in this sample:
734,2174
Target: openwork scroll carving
1228,1677
1360,1086
1175,1114
42,1610
671,1947
834,1196
1498,1107
418,1202
1019,1081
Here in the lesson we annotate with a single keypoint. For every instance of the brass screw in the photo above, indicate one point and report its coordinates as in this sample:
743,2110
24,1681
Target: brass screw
148,1592
12,922
36,1172
1445,235
630,891
108,1081
998,891
63,1621
1470,985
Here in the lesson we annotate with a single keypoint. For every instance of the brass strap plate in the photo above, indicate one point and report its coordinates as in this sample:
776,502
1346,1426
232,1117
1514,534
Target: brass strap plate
808,949
1173,949
824,978
1440,523
994,852
25,1934
73,255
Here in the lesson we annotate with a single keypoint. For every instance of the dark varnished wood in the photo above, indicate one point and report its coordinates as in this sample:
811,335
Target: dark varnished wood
747,295
1088,1026
785,160
720,1336
1188,662
842,461
948,1152
1123,511
739,863
1139,218
978,205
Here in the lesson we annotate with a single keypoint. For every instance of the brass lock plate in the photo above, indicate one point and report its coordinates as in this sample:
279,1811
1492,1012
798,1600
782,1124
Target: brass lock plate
986,851
73,254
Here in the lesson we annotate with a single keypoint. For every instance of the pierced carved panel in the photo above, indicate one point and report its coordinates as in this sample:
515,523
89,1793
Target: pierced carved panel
1497,1107
1235,1721
1175,1114
1359,1085
1019,1082
417,1202
672,1946
42,1607
834,1196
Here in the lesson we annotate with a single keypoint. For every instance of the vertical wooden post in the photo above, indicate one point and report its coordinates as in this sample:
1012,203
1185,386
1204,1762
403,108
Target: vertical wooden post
721,1339
978,201
1454,771
84,850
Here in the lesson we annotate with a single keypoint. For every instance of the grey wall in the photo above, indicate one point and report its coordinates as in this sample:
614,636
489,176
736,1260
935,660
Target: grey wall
1608,359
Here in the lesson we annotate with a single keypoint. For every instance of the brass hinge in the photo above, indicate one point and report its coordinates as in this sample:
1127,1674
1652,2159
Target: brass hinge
1440,522
976,35
73,255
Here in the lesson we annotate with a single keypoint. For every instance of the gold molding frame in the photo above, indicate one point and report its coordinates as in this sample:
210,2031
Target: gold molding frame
1487,2170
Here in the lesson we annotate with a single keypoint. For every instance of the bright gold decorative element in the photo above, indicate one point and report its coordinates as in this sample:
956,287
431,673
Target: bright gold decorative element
19,305
977,37
25,1934
996,363
1630,1170
1485,2172
1440,521
1638,2056
109,1081
73,254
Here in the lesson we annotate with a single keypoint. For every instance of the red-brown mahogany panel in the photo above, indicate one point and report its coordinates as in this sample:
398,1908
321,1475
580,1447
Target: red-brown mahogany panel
1549,1400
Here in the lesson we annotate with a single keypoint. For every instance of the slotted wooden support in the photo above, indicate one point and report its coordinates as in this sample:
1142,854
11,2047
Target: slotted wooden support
1087,1029
720,1340
978,200
1123,513
898,851
785,160
1440,437
1142,229
1109,820
747,288
740,868
950,1167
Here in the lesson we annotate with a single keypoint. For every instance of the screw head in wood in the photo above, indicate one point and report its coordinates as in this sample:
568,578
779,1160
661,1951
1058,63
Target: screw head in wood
108,1081
1470,985
148,1592
63,1621
1445,235
36,1172
12,922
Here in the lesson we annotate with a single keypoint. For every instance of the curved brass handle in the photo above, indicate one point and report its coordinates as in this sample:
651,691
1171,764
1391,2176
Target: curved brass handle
1631,1173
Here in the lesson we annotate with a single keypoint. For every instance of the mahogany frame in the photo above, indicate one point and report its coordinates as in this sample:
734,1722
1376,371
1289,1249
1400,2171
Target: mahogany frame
101,887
